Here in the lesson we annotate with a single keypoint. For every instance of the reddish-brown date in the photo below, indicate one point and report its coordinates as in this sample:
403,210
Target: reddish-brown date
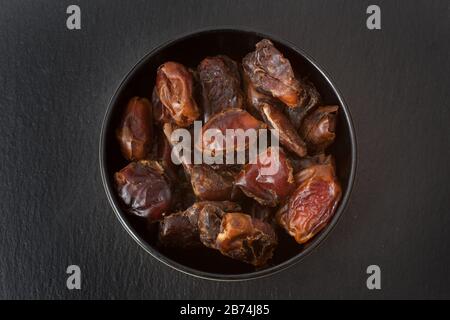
269,188
144,189
174,84
136,131
228,119
311,206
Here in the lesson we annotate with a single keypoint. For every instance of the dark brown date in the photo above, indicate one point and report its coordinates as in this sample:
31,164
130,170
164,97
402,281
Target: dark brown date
246,239
209,184
312,100
268,109
135,131
209,222
144,189
271,187
180,229
174,84
271,73
318,128
259,211
311,206
221,85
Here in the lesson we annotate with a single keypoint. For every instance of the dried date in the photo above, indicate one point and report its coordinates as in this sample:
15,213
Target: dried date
144,189
311,206
221,85
318,128
271,187
271,73
136,131
175,88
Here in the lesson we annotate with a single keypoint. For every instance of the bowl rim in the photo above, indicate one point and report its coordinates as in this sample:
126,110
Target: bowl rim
315,243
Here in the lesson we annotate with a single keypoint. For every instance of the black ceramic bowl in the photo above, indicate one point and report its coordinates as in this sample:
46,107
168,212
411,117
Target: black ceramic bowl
190,50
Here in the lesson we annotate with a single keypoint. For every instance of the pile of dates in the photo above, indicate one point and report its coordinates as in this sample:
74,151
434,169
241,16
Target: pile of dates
230,208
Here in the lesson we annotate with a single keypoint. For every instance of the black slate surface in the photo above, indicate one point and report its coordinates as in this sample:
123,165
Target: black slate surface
55,86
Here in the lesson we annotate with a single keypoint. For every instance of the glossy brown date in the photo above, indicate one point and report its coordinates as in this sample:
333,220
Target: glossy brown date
269,188
313,203
221,85
144,189
135,132
228,119
174,84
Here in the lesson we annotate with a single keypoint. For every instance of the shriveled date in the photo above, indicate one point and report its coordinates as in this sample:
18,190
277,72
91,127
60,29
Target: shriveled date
246,239
221,85
313,203
237,235
144,189
180,229
174,85
135,131
318,128
270,72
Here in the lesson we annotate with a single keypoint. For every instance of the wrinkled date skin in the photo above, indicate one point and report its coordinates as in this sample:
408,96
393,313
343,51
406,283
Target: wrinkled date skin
209,222
180,229
270,72
267,189
311,206
228,119
174,84
135,131
247,239
144,189
221,85
318,128
209,184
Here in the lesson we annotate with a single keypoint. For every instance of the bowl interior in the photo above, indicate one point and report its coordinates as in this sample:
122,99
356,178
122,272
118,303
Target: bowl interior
190,50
